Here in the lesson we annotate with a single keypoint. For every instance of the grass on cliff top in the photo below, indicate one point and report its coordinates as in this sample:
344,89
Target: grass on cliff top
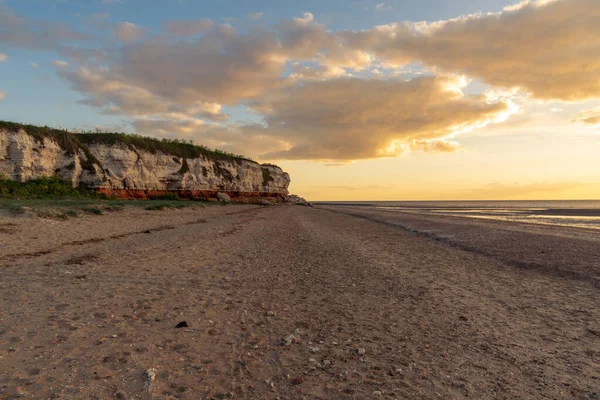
72,142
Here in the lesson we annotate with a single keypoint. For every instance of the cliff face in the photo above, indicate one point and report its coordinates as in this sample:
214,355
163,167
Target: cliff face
125,170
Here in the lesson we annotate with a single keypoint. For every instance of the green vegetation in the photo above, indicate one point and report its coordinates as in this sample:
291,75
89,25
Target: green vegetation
55,198
72,207
91,210
160,207
267,176
166,196
38,188
72,142
184,167
15,209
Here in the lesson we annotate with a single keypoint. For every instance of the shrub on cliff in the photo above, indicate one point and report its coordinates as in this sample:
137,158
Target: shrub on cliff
38,188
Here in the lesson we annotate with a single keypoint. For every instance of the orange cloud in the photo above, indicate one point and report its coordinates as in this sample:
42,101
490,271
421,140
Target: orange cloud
589,117
346,119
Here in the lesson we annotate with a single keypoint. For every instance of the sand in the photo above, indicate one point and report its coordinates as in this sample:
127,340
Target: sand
294,302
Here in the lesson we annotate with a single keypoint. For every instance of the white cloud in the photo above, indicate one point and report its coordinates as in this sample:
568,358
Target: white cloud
255,16
60,64
128,32
34,65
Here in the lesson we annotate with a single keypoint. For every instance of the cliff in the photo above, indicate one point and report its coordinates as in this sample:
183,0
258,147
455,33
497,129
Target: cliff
133,166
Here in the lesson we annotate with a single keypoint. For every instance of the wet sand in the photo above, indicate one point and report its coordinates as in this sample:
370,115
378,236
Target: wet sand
296,303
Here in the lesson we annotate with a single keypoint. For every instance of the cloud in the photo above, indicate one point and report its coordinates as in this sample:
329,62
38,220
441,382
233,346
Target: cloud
117,97
34,65
337,96
2,95
128,32
222,67
3,57
59,64
255,16
548,48
588,117
16,31
382,7
189,27
349,118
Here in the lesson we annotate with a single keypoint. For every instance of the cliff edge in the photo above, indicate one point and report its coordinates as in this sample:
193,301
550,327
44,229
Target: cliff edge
126,165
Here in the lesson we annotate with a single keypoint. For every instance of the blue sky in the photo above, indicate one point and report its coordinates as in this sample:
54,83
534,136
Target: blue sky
55,103
461,96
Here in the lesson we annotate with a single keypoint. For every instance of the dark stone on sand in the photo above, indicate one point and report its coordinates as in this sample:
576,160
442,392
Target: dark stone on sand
182,324
297,380
148,231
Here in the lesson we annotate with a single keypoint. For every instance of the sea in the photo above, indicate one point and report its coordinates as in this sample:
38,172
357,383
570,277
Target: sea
574,213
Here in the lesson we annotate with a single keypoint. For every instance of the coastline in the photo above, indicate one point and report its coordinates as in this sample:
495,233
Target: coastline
374,304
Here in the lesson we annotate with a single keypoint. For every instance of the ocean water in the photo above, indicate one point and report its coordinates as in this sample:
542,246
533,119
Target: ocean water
576,213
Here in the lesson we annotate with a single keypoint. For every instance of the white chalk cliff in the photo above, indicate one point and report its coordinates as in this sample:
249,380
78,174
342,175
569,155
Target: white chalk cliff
122,167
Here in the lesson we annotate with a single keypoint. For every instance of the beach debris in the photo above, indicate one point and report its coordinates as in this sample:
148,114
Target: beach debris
182,324
314,349
147,231
296,380
150,375
377,393
291,338
361,351
326,363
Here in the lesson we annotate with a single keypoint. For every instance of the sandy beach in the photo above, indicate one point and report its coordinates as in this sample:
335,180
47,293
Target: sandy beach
290,302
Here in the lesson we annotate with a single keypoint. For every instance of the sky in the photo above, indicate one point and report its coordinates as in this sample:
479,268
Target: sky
355,99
